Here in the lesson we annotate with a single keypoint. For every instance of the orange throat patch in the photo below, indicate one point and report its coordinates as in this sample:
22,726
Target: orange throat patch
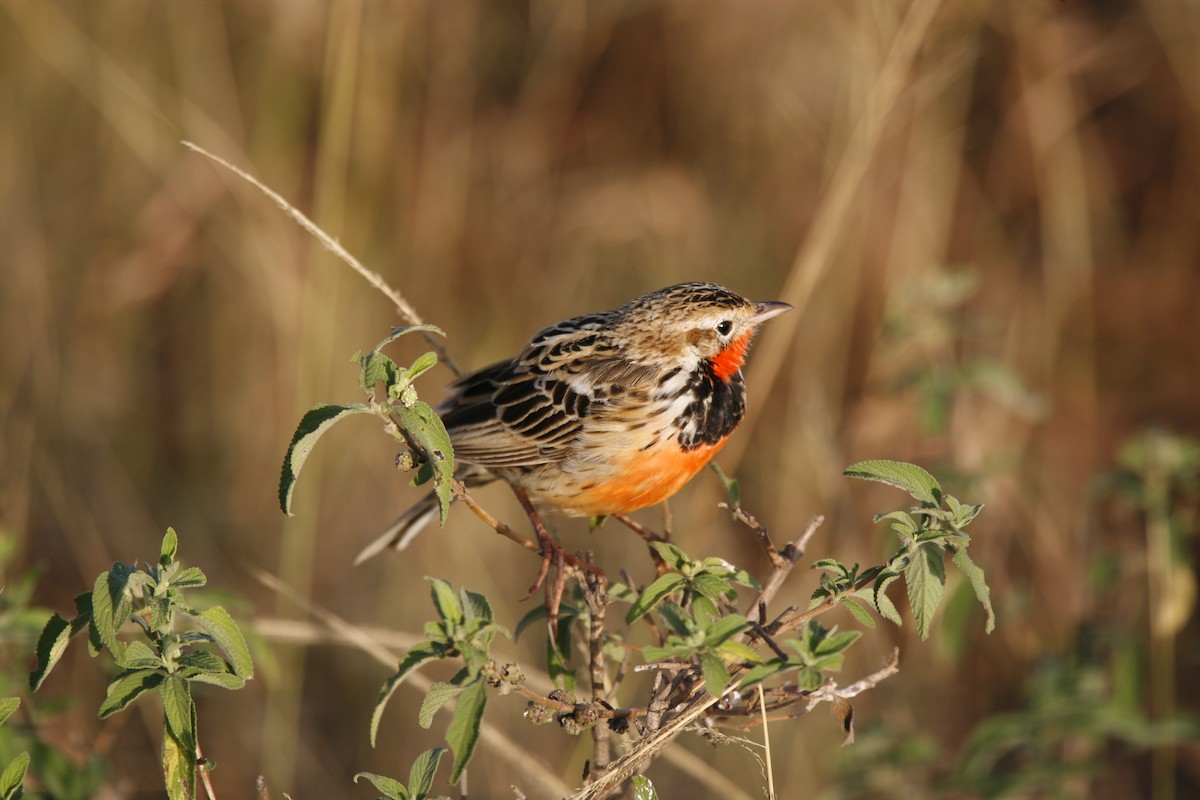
730,360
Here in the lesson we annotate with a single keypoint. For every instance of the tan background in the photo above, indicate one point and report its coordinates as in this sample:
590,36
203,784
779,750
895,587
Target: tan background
986,212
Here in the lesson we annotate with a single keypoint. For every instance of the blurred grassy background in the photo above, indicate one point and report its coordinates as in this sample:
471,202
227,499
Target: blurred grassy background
987,214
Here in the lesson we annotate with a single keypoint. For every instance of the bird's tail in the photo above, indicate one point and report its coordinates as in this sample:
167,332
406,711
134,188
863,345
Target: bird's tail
401,532
406,527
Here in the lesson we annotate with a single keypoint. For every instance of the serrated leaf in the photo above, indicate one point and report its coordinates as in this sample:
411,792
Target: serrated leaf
738,651
427,430
978,583
127,687
52,643
857,611
445,600
138,655
190,577
13,776
830,564
762,672
836,642
643,789
420,776
654,594
438,695
476,607
463,731
110,605
675,557
422,364
883,604
170,544
377,368
218,624
414,658
8,705
678,620
909,477
313,425
725,628
392,789
179,739
925,579
704,609
716,675
401,330
712,587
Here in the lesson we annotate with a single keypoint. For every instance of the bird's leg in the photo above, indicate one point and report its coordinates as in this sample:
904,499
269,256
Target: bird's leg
552,551
649,537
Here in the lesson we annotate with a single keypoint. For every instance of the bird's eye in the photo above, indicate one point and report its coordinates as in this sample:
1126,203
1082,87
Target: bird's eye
724,327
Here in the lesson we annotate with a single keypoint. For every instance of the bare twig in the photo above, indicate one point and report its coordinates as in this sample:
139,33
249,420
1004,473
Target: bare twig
403,307
595,593
790,555
762,704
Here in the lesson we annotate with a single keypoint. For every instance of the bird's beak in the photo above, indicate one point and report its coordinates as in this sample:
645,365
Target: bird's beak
764,311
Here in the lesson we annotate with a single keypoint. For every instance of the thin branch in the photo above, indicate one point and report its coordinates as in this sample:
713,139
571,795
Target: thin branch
403,307
790,555
762,704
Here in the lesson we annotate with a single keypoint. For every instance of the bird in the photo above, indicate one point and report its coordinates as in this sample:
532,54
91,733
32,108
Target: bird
604,413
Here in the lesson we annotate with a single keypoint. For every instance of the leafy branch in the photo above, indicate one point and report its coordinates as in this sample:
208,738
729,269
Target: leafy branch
180,646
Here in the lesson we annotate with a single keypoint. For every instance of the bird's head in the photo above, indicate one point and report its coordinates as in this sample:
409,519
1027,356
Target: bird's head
696,322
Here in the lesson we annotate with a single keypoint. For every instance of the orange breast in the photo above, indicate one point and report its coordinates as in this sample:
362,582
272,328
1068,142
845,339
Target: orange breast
648,478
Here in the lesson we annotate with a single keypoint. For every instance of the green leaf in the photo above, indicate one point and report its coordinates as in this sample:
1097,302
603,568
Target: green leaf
428,431
725,628
438,695
476,607
190,577
857,611
836,642
925,579
52,643
909,477
463,732
883,604
138,655
312,426
377,368
423,363
111,606
170,544
675,557
401,330
218,624
643,789
127,687
978,583
13,776
654,594
422,653
179,738
712,587
420,776
445,600
7,706
392,789
716,676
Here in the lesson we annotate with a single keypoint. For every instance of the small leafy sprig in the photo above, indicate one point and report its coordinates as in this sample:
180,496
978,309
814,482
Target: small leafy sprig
464,629
927,532
420,779
181,646
408,419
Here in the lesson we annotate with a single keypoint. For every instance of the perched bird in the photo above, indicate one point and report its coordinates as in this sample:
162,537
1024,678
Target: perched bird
605,413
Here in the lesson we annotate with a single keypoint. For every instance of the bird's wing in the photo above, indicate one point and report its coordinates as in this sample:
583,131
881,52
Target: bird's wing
529,411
